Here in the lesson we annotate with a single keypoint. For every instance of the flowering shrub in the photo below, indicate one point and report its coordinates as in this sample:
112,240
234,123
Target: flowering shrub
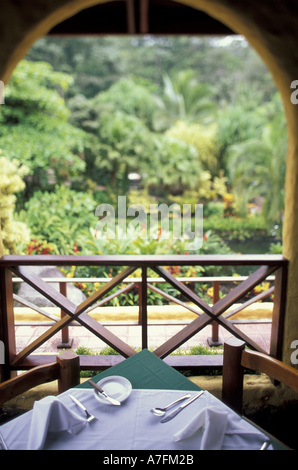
13,233
160,242
40,247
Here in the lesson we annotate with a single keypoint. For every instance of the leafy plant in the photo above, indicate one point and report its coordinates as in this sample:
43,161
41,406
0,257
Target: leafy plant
40,247
12,232
184,97
59,217
276,249
237,228
35,111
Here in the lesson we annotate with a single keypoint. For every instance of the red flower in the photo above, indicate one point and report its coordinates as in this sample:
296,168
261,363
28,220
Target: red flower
75,248
205,237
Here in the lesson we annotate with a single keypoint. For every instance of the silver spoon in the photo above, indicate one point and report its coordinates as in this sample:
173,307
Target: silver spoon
161,411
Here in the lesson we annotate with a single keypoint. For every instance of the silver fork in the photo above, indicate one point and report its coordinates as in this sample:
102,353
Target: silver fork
90,417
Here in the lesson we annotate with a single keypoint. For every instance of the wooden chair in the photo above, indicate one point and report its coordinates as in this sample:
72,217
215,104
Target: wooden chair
236,358
66,370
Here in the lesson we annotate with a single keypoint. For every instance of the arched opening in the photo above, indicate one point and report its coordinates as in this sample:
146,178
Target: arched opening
274,41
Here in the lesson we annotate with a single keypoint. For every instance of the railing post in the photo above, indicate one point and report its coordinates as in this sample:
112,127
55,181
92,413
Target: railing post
232,374
7,327
278,314
65,343
214,340
143,320
69,375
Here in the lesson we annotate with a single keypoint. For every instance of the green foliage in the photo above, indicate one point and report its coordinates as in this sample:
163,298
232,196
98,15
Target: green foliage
83,351
59,217
131,242
237,122
232,228
214,209
207,191
40,247
184,98
194,118
276,249
204,350
140,196
12,232
34,127
130,97
173,166
123,145
203,138
259,166
158,242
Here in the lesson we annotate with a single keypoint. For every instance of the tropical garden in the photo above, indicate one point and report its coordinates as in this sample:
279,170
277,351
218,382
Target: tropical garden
174,120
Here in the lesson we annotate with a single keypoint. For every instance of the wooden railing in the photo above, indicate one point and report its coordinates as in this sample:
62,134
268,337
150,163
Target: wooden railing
264,267
216,283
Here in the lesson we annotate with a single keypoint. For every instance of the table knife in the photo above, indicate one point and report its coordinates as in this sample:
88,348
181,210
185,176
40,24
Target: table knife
175,412
3,443
100,390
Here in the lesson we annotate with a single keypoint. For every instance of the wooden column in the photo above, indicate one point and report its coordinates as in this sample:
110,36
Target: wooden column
279,311
7,327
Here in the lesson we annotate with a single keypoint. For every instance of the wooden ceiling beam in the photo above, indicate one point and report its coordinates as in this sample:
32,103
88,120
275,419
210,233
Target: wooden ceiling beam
131,17
144,16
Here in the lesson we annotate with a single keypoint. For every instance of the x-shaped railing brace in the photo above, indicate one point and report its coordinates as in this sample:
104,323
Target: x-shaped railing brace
211,313
79,313
74,312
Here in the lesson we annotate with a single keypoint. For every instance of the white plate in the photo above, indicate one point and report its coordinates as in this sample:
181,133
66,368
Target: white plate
116,387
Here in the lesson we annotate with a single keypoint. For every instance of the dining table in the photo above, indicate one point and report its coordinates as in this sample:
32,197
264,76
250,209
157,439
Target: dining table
144,382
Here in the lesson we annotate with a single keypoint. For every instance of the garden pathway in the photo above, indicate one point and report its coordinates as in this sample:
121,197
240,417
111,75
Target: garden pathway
260,332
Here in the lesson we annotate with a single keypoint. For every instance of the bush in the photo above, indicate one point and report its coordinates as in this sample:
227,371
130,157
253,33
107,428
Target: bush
233,228
96,243
59,217
276,249
12,232
214,209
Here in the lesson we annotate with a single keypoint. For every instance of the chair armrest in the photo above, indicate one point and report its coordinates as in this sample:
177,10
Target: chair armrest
66,370
272,367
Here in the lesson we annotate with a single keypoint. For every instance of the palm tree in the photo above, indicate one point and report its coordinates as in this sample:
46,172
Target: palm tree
184,98
257,167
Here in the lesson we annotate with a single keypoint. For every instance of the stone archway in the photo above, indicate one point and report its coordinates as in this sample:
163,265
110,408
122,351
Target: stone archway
270,28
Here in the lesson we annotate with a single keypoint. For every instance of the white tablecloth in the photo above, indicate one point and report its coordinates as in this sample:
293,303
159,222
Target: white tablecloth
131,426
